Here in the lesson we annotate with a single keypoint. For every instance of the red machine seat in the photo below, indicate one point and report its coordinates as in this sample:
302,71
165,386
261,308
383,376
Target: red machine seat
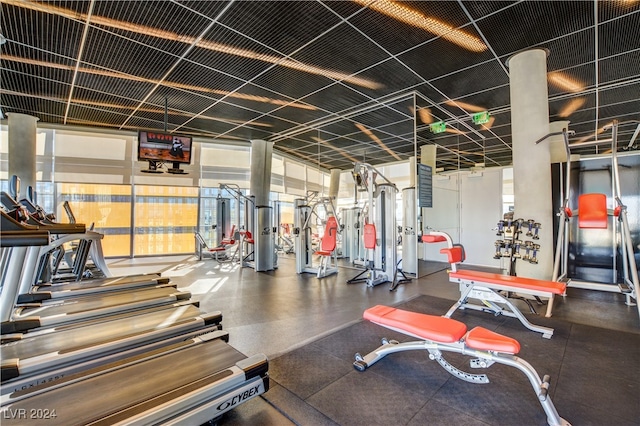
552,287
328,244
592,211
430,327
485,340
247,236
229,240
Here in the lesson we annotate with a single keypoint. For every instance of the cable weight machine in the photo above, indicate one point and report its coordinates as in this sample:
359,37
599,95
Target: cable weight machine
593,214
379,230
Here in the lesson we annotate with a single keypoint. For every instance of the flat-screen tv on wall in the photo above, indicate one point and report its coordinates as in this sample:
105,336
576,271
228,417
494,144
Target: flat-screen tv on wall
164,147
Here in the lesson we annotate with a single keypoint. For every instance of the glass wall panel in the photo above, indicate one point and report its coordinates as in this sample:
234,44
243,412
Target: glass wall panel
165,219
106,207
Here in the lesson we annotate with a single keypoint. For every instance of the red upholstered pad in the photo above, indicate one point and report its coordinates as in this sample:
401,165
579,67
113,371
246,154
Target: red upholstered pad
430,327
369,236
217,249
324,253
553,287
454,254
433,239
484,340
592,211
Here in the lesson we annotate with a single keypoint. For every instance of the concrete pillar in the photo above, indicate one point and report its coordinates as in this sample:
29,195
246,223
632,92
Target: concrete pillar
428,156
531,162
260,184
260,179
334,183
557,150
22,150
413,171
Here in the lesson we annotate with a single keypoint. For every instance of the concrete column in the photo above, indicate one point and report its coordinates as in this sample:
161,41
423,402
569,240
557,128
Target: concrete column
22,150
260,184
334,183
413,171
557,150
260,179
428,156
531,162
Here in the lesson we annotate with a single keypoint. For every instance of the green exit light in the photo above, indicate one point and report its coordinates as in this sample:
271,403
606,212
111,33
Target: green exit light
438,127
481,117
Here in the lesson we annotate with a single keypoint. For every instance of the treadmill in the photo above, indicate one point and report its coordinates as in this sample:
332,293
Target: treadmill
187,386
24,275
54,312
40,357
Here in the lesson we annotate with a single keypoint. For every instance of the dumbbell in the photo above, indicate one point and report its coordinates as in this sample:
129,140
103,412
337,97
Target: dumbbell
536,228
530,223
534,258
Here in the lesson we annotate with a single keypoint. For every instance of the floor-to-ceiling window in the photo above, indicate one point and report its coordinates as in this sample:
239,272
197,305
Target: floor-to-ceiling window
165,219
141,213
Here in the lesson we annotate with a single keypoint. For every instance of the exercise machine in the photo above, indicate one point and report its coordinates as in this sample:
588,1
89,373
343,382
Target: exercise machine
352,248
284,238
493,290
594,214
193,383
304,215
409,235
379,231
438,335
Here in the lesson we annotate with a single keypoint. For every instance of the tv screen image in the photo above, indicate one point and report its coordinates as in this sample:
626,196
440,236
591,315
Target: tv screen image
165,147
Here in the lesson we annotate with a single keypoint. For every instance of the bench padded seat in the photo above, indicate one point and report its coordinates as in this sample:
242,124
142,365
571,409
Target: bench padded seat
552,287
429,327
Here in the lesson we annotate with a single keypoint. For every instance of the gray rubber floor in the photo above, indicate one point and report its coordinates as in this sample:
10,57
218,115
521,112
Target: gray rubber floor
286,316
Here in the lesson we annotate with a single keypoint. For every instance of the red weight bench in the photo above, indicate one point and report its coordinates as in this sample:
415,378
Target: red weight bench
488,287
439,334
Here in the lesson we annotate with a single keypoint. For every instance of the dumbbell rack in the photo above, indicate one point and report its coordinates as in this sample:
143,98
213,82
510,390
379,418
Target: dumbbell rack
511,243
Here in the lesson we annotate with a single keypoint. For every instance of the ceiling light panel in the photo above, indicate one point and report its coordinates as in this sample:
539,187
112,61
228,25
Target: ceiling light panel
532,23
42,108
619,35
341,57
233,53
440,57
571,80
34,28
15,82
569,51
283,26
135,89
609,10
620,67
147,22
482,8
620,95
481,77
32,79
410,14
191,76
396,34
293,83
99,99
126,56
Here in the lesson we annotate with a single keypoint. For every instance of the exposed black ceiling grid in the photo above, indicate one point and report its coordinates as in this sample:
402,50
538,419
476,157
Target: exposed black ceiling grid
330,82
